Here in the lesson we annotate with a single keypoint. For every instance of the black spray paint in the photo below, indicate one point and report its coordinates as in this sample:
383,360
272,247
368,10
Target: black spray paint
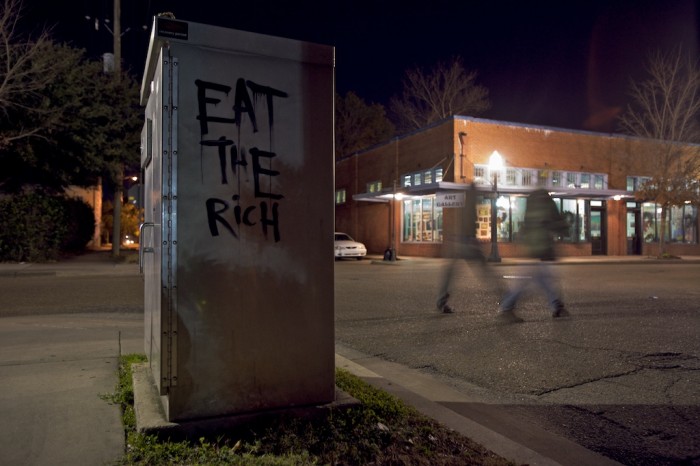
231,215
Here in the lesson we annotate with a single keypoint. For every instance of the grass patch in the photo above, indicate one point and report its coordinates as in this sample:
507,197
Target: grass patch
381,431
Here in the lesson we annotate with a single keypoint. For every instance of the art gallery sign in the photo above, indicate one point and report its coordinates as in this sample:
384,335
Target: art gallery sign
448,199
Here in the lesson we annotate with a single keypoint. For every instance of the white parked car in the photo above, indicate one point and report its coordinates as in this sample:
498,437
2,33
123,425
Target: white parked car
345,246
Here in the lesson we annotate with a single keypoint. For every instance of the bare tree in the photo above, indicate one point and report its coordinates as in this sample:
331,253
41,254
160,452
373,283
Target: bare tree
430,96
665,108
359,125
25,71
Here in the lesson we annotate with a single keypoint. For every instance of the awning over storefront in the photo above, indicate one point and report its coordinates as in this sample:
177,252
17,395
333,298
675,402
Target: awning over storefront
411,192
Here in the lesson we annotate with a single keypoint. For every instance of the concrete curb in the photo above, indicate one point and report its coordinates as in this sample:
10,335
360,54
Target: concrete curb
149,414
33,270
151,419
434,399
583,260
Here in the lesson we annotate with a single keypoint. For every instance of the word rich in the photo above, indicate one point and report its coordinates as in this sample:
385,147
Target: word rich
248,216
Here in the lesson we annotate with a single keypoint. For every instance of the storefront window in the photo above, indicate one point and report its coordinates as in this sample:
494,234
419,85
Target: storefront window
582,224
677,224
427,220
503,218
690,224
422,220
569,212
517,215
684,224
483,218
649,222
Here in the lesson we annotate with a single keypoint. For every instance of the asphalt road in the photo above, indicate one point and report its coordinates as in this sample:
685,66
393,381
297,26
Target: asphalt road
621,376
44,294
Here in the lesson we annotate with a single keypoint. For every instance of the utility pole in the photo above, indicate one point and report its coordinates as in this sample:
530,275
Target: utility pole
119,182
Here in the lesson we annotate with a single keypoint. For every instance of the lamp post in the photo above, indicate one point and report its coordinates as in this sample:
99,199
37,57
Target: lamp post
390,255
495,165
119,186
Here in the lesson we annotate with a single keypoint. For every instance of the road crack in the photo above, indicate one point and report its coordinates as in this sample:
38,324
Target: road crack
588,381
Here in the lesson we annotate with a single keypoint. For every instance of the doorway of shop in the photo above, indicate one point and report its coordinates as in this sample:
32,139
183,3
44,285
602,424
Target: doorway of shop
634,229
598,229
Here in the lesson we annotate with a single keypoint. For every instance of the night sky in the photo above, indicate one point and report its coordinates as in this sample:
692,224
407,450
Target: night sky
544,63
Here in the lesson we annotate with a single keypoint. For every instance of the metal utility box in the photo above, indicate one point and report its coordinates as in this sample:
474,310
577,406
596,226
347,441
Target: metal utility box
237,242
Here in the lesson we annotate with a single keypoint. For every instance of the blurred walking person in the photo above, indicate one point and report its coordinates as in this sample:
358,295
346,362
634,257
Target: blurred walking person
542,223
460,244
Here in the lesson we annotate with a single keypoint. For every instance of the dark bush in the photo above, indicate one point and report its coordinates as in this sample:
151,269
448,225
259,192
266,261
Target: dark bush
80,223
36,227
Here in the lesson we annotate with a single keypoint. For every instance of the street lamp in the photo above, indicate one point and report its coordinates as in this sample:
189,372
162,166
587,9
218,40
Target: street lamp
495,165
390,254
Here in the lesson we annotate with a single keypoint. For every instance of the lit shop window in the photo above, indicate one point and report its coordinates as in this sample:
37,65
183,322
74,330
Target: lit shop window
556,179
598,182
422,177
635,183
509,211
374,187
573,211
422,220
530,177
585,181
681,223
511,176
340,196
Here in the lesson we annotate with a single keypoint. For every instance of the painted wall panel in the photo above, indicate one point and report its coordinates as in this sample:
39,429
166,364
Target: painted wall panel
252,258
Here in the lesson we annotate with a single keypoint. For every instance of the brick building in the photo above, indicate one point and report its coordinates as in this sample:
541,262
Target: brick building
400,194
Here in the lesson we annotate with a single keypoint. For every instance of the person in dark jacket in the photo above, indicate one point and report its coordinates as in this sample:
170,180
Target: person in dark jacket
542,224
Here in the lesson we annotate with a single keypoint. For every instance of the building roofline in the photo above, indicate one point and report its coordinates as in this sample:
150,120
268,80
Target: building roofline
504,123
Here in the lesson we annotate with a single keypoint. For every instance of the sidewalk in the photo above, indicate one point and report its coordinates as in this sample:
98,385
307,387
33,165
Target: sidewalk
580,260
91,263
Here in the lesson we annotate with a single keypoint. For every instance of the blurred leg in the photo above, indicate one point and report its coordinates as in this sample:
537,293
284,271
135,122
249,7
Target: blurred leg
546,280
